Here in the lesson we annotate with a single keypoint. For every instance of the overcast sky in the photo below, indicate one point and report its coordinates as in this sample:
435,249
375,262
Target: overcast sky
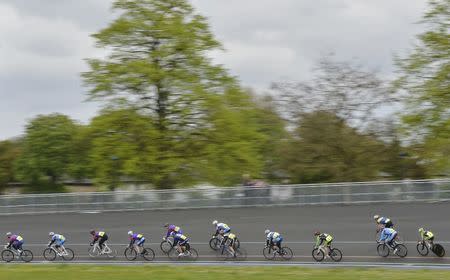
43,44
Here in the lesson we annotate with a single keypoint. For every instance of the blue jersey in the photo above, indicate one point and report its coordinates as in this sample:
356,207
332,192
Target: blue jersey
274,236
223,227
58,237
179,238
388,234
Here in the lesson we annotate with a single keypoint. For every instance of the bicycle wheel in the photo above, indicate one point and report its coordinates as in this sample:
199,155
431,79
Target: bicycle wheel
422,249
130,254
438,250
93,253
401,250
383,250
148,254
70,255
241,254
214,243
49,254
269,253
26,256
336,255
318,255
112,253
165,246
173,254
286,253
192,255
7,255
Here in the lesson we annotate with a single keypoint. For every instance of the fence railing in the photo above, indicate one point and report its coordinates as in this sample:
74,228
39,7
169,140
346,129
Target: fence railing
278,195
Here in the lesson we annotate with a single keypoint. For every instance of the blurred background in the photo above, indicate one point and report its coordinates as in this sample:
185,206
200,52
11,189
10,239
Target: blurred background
155,94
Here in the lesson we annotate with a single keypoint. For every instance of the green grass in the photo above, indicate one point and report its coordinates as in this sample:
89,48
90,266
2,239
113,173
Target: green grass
66,272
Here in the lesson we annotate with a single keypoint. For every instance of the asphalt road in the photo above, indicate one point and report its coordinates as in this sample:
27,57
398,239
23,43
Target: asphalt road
352,226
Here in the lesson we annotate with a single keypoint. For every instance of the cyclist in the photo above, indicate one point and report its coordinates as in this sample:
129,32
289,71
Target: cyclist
222,229
136,240
58,239
183,243
273,239
388,236
383,222
230,242
101,237
14,240
324,239
172,229
426,236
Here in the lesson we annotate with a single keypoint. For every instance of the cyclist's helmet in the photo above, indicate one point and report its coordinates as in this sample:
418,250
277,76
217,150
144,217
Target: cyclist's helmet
92,232
376,217
215,222
267,231
316,233
130,232
51,233
8,234
421,230
166,225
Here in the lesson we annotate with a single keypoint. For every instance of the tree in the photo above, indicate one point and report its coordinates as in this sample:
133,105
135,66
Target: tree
325,149
424,85
122,144
158,62
47,149
9,152
343,88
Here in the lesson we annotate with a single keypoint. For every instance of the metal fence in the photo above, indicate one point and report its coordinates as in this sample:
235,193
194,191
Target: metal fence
278,195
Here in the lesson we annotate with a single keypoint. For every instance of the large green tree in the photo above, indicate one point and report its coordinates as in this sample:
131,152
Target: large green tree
424,85
9,152
47,150
325,149
123,144
158,62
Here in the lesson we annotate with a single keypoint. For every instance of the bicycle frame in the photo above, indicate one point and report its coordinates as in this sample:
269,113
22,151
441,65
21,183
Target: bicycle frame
61,253
106,249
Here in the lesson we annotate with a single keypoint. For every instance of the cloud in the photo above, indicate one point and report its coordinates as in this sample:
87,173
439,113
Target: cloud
43,44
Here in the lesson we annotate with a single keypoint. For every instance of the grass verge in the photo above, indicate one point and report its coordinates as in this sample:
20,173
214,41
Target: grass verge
66,272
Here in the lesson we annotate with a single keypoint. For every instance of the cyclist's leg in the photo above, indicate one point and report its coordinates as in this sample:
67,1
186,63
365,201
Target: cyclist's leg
278,244
101,243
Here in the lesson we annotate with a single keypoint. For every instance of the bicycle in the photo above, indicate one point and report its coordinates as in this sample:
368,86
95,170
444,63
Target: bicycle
52,252
423,247
318,254
285,253
131,254
190,254
216,241
8,255
225,253
399,249
166,244
95,251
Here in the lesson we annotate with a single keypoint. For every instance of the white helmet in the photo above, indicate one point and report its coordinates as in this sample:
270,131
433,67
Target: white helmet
8,234
51,233
130,232
215,222
376,217
267,231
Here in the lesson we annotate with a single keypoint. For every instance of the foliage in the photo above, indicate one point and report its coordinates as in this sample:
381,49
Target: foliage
326,149
424,84
9,152
47,147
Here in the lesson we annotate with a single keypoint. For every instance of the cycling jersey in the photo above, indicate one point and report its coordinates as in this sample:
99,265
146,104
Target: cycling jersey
222,228
139,239
427,235
324,238
388,234
100,235
173,229
274,238
16,241
58,239
180,239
